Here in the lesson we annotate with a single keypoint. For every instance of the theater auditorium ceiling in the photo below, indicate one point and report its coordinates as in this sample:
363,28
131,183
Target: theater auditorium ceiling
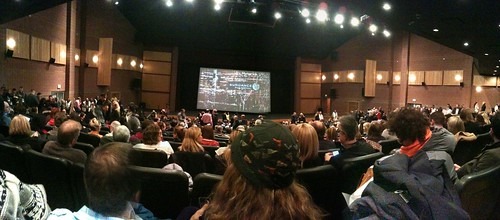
469,26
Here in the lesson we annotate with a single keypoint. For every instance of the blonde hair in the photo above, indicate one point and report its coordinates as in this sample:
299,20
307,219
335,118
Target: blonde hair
236,198
94,124
308,141
331,133
190,142
20,126
455,124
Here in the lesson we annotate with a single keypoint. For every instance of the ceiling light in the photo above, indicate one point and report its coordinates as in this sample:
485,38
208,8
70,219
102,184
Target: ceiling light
339,19
495,71
305,13
11,43
308,20
190,1
133,63
486,54
350,76
277,15
497,66
341,26
386,33
217,7
354,22
373,28
435,30
95,59
321,15
169,3
466,44
254,10
479,89
386,6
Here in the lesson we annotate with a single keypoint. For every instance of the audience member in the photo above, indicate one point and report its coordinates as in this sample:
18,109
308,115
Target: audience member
20,134
192,140
351,146
331,134
261,177
375,132
207,132
469,122
456,126
110,187
308,145
153,140
179,132
489,156
445,138
320,133
67,136
95,127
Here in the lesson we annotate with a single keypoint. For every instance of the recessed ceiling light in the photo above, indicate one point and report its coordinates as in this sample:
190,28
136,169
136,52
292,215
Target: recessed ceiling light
435,30
339,19
217,7
117,2
277,15
169,3
254,10
497,66
495,71
386,33
355,22
305,12
373,28
386,6
308,20
466,44
486,54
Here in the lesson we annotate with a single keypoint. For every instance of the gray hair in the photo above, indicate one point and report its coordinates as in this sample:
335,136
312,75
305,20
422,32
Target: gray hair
121,134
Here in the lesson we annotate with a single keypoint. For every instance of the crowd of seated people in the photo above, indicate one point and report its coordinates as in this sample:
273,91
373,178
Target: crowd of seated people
157,130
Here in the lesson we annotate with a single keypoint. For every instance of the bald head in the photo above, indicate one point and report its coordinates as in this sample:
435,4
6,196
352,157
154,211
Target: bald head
68,132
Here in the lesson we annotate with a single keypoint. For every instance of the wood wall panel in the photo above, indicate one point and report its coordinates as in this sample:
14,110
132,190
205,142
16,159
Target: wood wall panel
370,78
77,52
155,100
310,77
40,49
310,90
105,59
434,78
396,78
157,56
384,77
419,77
157,67
484,80
309,106
310,67
342,76
156,83
22,48
58,52
453,77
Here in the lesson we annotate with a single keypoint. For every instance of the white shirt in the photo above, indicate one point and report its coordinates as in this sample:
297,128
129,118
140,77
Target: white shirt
163,146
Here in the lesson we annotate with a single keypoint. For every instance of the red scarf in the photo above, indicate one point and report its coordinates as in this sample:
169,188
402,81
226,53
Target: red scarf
413,148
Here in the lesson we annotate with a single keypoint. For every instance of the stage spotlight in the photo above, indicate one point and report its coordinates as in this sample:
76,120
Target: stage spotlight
339,19
355,22
321,15
277,15
373,28
305,13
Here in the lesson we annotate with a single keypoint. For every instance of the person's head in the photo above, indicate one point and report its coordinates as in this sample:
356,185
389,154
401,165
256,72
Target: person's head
347,128
495,126
331,133
437,118
152,134
307,140
59,118
409,125
121,134
375,129
233,136
455,124
260,176
179,131
258,122
95,125
115,105
486,118
146,123
68,132
207,131
114,125
108,181
466,115
320,128
192,140
20,126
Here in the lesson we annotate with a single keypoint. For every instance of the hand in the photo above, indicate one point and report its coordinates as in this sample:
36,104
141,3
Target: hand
328,156
456,166
199,213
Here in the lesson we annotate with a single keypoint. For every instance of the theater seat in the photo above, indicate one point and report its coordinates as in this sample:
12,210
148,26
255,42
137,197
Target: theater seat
55,175
148,158
323,183
194,163
203,185
480,193
389,145
89,139
78,185
87,148
467,150
164,192
12,160
353,169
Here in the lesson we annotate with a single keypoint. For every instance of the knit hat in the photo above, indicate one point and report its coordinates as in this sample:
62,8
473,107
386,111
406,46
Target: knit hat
267,155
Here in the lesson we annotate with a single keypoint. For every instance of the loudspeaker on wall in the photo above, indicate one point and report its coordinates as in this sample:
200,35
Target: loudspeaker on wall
9,53
461,84
333,93
423,83
52,60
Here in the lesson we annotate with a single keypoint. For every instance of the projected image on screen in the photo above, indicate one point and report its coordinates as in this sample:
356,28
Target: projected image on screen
234,90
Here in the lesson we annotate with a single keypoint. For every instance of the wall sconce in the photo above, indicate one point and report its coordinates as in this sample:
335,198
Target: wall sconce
119,61
77,57
133,63
95,59
11,43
